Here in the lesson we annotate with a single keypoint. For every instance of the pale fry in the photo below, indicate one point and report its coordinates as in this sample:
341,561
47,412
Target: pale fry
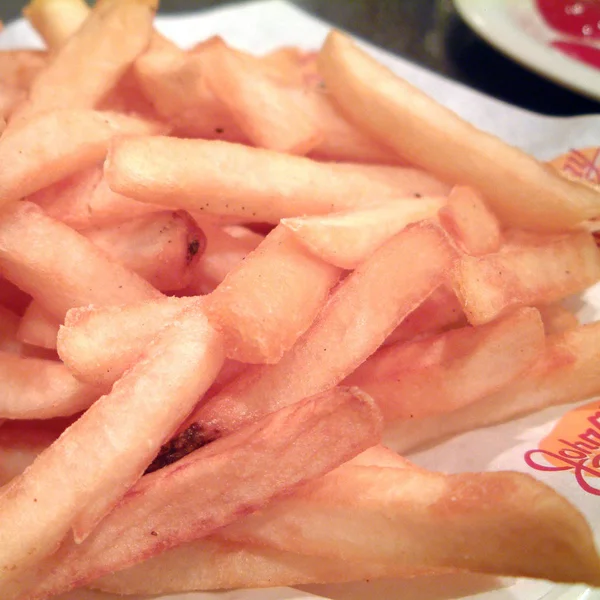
439,312
59,267
364,309
35,388
346,239
213,564
56,144
263,109
253,184
442,373
557,318
56,20
520,190
470,223
498,523
223,252
91,62
163,248
80,478
566,372
267,302
212,486
38,327
99,344
525,275
84,200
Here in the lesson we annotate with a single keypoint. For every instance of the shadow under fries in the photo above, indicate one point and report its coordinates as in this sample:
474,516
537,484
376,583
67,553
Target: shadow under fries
433,587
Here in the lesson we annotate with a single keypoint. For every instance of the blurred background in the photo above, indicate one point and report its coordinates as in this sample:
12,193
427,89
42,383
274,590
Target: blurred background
428,32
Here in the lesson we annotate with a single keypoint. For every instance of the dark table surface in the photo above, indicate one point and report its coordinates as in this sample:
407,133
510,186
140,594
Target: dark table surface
430,33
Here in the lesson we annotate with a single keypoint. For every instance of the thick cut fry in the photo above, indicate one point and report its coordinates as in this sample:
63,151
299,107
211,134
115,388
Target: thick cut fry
497,523
521,191
56,144
346,239
557,318
212,487
84,200
439,374
213,564
525,275
365,308
439,312
174,84
470,223
341,140
99,344
34,388
38,327
56,20
251,183
263,109
79,479
566,372
91,62
223,253
163,248
59,267
266,303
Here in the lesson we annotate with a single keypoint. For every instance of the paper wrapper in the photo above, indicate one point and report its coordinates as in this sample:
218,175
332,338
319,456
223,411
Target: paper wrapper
263,26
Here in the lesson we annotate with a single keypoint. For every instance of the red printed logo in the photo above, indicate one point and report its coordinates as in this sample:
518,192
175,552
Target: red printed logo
573,445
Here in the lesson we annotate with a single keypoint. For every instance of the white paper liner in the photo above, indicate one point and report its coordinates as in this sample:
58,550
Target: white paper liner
265,25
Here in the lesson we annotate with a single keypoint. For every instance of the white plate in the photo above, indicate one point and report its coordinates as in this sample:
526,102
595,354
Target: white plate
515,28
264,25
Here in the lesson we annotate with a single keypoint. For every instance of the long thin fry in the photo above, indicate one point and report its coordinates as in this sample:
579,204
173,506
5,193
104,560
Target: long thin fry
523,192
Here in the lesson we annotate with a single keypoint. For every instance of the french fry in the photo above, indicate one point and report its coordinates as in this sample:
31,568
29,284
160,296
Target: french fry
161,247
35,388
213,564
348,238
71,82
84,200
259,325
525,275
341,140
521,191
223,252
470,223
99,344
212,177
56,144
174,84
59,267
38,327
557,318
56,20
212,487
442,373
439,312
364,309
262,108
499,523
566,372
81,477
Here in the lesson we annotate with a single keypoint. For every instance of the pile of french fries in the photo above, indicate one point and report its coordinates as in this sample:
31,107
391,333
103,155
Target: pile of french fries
225,277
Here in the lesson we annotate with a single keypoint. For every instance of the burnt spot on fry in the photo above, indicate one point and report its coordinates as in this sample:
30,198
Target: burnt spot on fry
187,441
193,248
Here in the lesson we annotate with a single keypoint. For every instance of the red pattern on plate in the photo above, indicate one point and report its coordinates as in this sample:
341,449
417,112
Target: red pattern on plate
580,18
